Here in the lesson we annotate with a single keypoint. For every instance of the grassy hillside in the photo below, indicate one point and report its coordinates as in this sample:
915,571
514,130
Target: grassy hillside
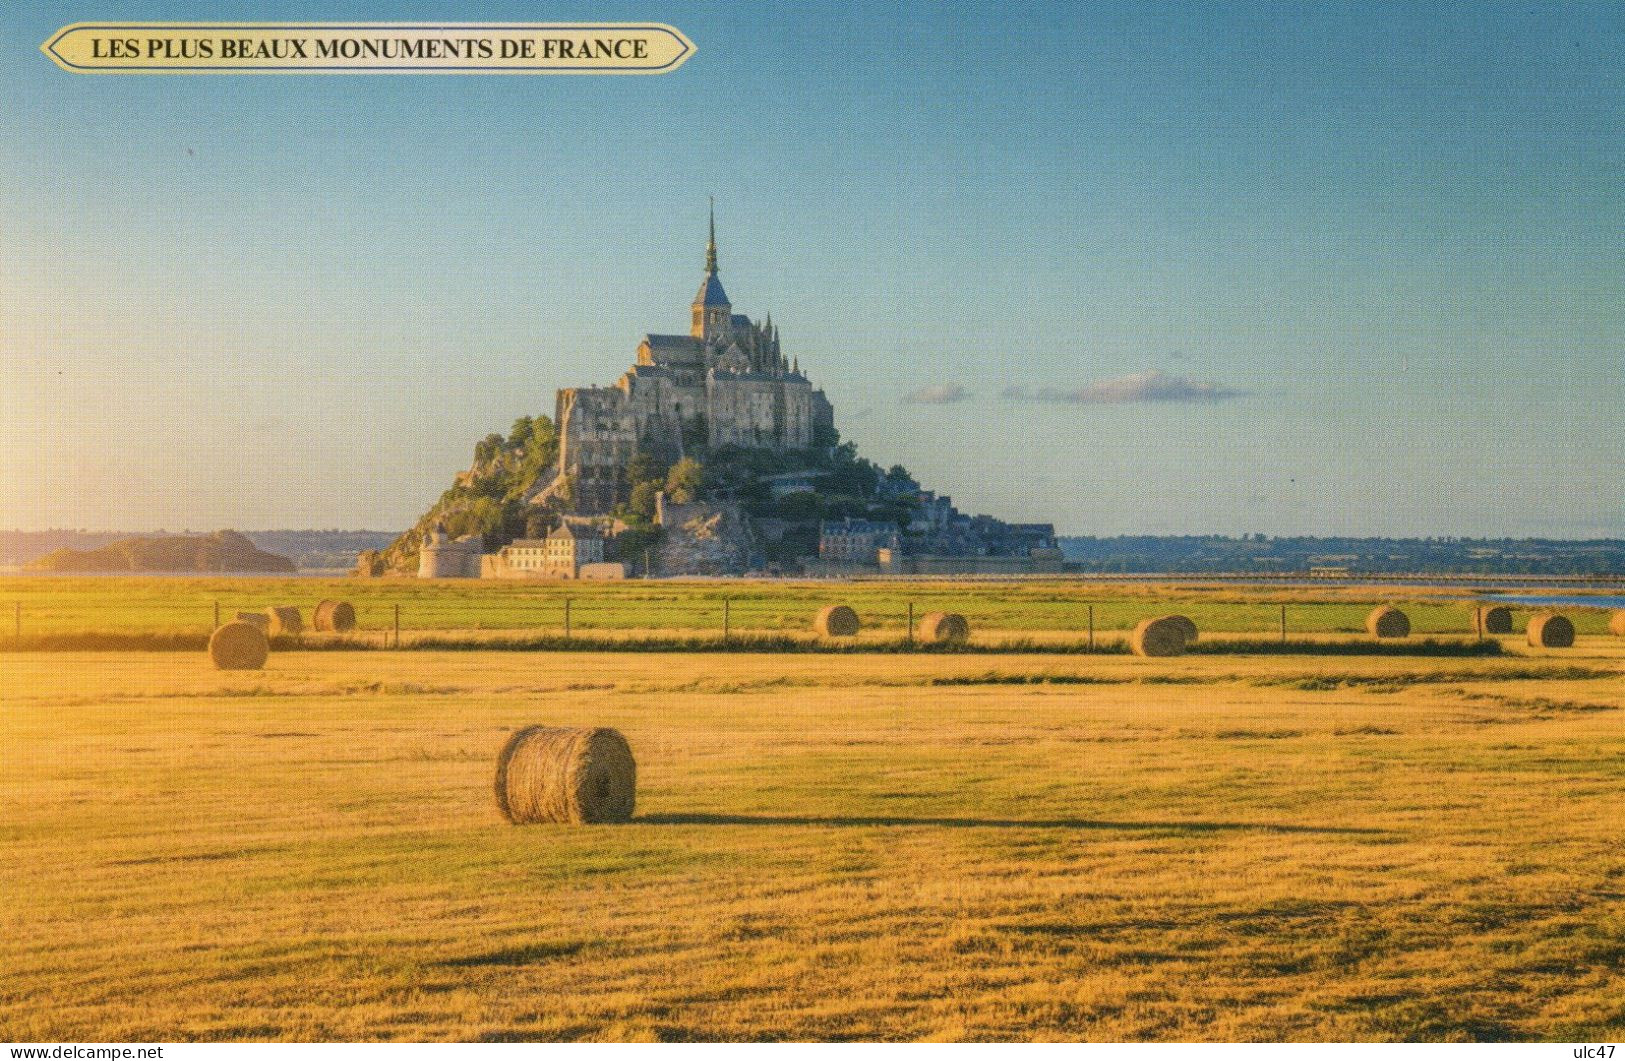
488,499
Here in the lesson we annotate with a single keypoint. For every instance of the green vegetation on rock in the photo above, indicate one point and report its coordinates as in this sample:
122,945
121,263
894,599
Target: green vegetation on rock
489,499
493,497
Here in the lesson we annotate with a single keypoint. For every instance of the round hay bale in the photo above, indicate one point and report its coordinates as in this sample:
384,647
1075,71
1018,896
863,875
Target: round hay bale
1495,619
837,620
1161,636
259,619
285,619
239,646
1551,630
334,617
573,776
1187,625
1616,623
1388,622
944,628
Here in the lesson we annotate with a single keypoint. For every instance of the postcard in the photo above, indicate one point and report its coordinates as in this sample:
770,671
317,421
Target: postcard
820,523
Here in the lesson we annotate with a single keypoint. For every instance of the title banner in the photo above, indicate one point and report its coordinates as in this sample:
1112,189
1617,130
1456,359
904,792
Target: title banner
367,48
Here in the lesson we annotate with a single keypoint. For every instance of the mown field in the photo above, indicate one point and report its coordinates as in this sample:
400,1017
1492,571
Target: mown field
52,605
826,847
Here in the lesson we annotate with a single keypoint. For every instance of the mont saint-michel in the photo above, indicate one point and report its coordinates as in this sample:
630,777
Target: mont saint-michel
713,454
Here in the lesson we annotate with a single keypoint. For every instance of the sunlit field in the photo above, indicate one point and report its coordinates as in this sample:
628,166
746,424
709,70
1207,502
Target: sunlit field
37,606
826,847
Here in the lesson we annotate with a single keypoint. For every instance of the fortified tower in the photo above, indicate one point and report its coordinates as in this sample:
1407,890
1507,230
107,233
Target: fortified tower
441,557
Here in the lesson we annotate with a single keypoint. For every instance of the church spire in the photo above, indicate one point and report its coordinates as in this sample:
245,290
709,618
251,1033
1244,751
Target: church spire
711,248
712,313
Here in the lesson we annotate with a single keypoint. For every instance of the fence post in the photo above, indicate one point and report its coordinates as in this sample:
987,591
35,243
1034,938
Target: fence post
397,626
217,615
18,630
567,618
911,622
1478,621
1283,624
727,618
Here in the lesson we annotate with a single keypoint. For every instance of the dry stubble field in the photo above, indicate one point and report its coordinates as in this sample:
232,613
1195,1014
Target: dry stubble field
827,847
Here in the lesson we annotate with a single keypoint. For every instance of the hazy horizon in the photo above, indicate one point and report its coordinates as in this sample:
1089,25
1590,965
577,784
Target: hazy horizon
1128,272
193,531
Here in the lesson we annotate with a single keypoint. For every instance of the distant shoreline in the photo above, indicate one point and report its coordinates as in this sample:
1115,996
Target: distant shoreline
315,572
1497,585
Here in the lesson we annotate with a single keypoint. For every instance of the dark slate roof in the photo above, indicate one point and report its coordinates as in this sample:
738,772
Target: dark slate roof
856,526
740,320
682,349
669,342
564,530
711,293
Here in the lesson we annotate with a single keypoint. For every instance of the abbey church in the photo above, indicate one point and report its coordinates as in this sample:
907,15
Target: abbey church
725,383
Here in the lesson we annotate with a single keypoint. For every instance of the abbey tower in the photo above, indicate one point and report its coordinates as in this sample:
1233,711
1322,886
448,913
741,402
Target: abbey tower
725,383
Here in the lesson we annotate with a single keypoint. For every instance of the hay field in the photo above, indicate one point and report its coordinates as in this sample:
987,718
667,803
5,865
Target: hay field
826,847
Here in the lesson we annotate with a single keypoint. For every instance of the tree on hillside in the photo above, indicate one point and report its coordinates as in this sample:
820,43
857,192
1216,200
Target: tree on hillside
540,524
684,479
542,430
801,505
643,466
520,434
642,502
852,474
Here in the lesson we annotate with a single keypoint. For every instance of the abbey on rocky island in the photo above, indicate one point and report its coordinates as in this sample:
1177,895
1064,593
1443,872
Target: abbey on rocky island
771,488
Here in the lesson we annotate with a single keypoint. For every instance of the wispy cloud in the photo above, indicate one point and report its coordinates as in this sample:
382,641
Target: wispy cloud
937,394
1140,387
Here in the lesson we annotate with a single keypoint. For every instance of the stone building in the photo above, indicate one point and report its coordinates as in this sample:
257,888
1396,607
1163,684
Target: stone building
570,548
441,557
726,383
855,541
564,553
524,556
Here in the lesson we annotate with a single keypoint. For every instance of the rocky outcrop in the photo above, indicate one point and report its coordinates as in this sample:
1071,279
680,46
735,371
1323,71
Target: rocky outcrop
705,539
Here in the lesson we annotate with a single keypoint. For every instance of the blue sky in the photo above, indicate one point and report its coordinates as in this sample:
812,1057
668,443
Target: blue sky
1227,269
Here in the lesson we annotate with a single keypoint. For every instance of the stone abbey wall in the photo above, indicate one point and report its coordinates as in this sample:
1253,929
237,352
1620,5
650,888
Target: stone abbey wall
601,428
598,434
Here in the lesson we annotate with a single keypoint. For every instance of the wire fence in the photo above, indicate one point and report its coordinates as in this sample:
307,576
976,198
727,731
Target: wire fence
727,616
